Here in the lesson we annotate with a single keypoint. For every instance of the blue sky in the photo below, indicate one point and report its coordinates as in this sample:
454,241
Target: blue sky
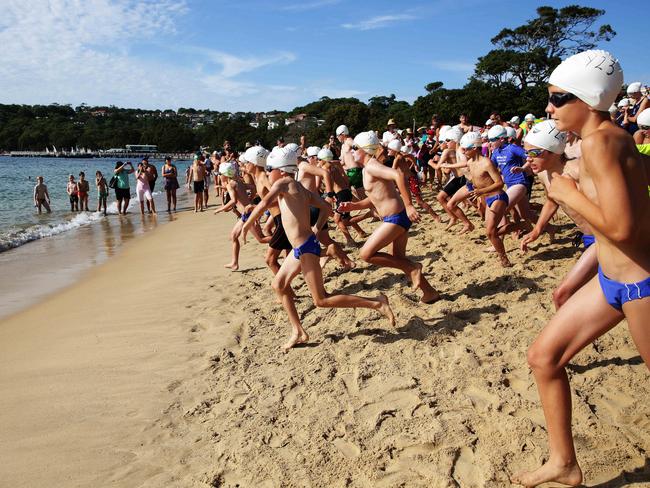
255,55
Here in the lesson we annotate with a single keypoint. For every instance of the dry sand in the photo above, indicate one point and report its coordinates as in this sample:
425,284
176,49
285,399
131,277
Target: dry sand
178,378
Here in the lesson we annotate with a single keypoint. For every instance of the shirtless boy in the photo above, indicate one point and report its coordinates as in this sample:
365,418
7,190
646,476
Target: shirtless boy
73,193
487,182
352,169
311,176
405,163
196,177
41,196
102,191
381,184
342,193
581,89
545,147
239,200
294,201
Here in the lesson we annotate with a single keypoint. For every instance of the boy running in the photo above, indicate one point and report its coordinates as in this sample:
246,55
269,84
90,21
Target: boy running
294,201
581,89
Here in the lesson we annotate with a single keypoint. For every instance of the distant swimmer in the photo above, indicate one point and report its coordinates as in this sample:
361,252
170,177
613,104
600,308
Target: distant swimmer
581,90
295,201
102,191
83,188
73,194
41,196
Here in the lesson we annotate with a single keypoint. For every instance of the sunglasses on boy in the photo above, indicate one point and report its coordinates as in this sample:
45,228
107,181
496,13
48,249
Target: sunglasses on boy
560,99
535,153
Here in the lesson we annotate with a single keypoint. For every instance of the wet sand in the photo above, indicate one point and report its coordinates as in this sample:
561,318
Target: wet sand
170,374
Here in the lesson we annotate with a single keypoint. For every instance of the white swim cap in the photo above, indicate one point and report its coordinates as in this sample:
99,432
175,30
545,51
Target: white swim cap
453,134
241,158
368,141
256,155
644,118
470,140
613,108
497,132
442,132
489,122
529,118
405,150
284,159
325,154
594,76
312,151
634,87
292,146
484,134
342,129
227,169
625,102
546,136
395,145
515,120
510,132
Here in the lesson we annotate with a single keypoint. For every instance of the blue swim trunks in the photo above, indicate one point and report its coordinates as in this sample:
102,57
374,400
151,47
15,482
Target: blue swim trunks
470,186
244,217
310,246
503,196
400,219
588,240
617,293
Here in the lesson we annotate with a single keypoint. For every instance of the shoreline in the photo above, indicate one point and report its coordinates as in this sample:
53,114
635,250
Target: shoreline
188,386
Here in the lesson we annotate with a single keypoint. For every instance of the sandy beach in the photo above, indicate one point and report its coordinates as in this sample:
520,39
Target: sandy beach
162,368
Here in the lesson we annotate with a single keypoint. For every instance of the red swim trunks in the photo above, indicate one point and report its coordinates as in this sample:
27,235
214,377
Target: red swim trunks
414,186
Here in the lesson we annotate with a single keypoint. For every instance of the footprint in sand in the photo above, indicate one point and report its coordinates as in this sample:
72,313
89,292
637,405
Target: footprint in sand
348,449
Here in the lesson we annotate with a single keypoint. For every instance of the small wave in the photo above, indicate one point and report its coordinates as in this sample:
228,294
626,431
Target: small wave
17,238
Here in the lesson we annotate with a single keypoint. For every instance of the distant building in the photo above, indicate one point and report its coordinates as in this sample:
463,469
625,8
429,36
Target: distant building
273,124
141,148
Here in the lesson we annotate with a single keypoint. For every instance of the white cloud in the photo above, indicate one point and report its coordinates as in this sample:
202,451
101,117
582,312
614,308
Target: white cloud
298,7
74,51
378,22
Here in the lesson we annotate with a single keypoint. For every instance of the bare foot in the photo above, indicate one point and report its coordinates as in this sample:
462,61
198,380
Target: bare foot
436,217
351,243
385,309
567,475
489,248
232,266
466,228
451,223
505,262
349,264
430,295
294,340
416,276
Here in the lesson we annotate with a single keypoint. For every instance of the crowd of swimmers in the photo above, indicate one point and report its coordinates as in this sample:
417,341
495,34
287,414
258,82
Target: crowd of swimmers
589,163
590,156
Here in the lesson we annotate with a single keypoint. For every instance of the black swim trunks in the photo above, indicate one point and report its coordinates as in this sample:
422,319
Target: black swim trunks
343,196
314,213
199,186
454,185
256,200
279,239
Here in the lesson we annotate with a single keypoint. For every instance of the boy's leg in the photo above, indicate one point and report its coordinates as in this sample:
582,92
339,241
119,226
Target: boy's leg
493,216
234,262
338,220
271,259
334,249
584,269
427,208
637,313
429,295
282,286
452,206
583,318
311,270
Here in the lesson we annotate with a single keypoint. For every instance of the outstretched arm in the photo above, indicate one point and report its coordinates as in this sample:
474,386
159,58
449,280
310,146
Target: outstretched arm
277,188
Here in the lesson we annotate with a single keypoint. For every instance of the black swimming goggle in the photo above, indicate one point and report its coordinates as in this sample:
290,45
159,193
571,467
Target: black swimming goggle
560,99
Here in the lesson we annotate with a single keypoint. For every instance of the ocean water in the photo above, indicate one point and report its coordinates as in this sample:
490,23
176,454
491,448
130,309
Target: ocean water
40,254
20,223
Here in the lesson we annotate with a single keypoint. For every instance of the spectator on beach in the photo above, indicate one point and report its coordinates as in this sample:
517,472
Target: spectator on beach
196,178
83,188
102,191
73,194
170,174
41,196
143,190
152,175
122,186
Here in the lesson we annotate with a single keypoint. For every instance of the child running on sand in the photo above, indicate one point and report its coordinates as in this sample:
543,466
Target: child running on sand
240,201
581,90
545,146
294,201
487,182
381,184
41,196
